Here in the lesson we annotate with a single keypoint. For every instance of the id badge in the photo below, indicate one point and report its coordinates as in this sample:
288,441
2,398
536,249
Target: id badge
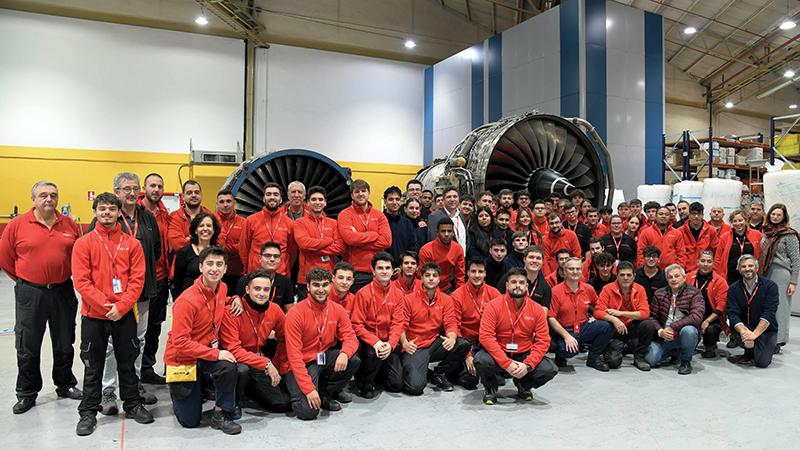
512,347
321,358
325,258
116,284
576,328
215,343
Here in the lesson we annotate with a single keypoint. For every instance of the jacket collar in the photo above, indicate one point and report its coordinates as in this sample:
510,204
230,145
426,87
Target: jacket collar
101,230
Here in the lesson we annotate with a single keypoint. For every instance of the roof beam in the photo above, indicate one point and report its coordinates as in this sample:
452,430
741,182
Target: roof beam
702,29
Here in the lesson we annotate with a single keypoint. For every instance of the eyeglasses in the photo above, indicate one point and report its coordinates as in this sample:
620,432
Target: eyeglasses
130,189
271,255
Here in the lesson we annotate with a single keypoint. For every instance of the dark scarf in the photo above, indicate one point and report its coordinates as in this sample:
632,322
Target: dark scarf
772,234
256,307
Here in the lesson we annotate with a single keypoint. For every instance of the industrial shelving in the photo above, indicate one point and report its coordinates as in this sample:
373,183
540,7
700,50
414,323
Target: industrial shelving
690,144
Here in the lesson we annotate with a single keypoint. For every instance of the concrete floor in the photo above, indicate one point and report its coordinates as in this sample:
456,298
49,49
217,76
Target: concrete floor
718,406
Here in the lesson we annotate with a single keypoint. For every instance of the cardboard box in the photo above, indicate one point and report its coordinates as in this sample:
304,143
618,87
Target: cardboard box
741,160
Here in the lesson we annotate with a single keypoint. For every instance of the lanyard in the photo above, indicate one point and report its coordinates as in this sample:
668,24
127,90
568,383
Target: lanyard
574,297
511,319
135,224
478,308
364,221
230,227
255,330
617,244
108,251
532,290
320,227
375,304
269,230
749,298
703,287
211,313
321,329
741,243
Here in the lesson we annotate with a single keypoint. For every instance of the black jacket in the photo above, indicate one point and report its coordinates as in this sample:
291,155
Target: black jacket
150,238
763,306
627,247
404,236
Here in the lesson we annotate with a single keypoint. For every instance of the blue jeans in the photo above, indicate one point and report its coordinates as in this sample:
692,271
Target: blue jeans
686,341
598,333
187,396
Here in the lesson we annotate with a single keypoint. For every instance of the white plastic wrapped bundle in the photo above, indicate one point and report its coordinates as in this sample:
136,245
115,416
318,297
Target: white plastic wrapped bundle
660,193
784,187
618,198
691,191
724,193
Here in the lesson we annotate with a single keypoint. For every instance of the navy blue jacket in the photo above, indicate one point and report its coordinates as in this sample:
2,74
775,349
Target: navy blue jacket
764,305
404,236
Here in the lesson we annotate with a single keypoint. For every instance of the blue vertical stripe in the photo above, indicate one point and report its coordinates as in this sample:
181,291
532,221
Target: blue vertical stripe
653,97
596,104
495,61
427,123
477,85
569,41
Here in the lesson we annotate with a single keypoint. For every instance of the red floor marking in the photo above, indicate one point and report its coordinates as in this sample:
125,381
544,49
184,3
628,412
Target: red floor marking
122,434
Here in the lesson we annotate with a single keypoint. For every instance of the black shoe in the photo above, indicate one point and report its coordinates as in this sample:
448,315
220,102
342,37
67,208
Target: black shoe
597,364
149,376
490,397
237,413
524,394
561,362
329,404
742,360
24,404
344,396
440,381
140,414
368,391
219,421
641,364
731,344
149,398
70,392
86,425
685,368
777,350
108,406
710,352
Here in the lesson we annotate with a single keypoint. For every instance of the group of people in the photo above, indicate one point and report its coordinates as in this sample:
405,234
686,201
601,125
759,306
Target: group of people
290,310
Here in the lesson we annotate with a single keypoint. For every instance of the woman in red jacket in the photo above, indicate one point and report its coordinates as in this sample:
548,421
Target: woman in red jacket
740,240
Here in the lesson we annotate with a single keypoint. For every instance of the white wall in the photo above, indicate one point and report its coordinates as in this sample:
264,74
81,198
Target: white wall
71,83
452,102
349,108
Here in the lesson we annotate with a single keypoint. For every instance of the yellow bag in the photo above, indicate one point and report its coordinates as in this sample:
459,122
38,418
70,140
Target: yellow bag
176,374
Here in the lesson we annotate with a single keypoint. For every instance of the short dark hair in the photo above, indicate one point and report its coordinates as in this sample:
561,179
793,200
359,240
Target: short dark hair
552,216
317,190
651,250
569,207
468,198
683,201
624,265
502,211
444,221
413,181
652,205
517,234
270,244
428,191
212,251
603,258
409,253
359,184
382,256
696,207
523,193
344,265
196,223
275,185
392,190
260,273
538,201
577,193
594,239
188,182
225,191
534,249
318,274
604,210
562,251
108,198
451,188
476,260
516,271
505,192
635,201
430,265
152,174
668,204
495,241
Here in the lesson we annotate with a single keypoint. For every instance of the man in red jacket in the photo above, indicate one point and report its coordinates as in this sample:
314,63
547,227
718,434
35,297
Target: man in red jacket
232,225
268,225
365,230
179,220
624,304
317,238
108,267
468,303
427,314
668,239
343,274
319,369
556,239
407,280
447,254
514,337
245,336
715,295
698,235
372,316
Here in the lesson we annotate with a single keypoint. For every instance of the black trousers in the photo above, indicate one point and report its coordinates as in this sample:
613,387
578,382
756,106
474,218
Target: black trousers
711,335
360,279
388,372
636,342
762,350
156,316
36,308
258,387
94,340
463,378
489,371
187,396
325,380
415,367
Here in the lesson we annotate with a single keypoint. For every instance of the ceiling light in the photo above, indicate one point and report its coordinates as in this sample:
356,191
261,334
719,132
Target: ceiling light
788,25
410,44
792,106
789,73
201,20
689,30
729,105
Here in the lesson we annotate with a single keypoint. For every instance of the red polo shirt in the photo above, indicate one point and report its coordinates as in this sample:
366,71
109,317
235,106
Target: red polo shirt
611,297
571,308
468,305
554,242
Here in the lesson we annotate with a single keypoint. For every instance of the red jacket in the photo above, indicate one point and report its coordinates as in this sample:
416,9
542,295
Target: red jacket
346,301
423,320
724,248
724,228
717,295
244,336
192,332
707,240
304,340
670,243
319,243
569,308
450,259
93,271
611,297
468,305
542,226
373,310
600,230
400,284
162,219
530,332
178,232
552,279
232,227
262,227
555,242
365,232
31,251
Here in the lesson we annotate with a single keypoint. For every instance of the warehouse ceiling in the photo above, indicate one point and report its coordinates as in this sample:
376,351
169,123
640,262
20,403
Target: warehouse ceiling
738,50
